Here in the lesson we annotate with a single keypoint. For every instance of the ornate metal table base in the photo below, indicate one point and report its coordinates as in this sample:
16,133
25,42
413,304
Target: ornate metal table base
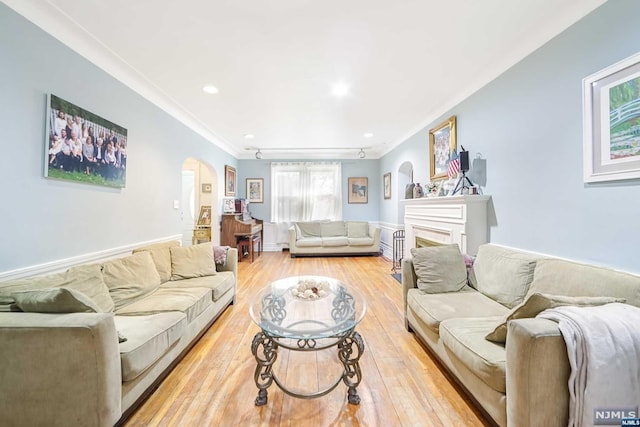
350,348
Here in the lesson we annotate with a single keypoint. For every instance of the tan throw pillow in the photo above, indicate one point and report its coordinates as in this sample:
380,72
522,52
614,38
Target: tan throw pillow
87,279
537,303
439,268
192,261
131,278
54,300
161,255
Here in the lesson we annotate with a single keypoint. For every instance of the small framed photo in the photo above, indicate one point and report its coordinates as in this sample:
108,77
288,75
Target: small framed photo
386,185
255,190
206,188
358,190
611,122
228,205
229,181
205,215
442,146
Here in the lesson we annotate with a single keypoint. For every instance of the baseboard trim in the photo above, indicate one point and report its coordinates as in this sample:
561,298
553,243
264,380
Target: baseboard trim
65,263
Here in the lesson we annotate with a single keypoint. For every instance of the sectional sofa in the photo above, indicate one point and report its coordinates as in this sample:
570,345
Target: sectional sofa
83,347
328,238
514,365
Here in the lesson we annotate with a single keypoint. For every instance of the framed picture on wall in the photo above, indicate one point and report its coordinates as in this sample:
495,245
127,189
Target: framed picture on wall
386,185
611,122
229,181
81,146
228,205
255,190
442,146
205,216
358,190
206,188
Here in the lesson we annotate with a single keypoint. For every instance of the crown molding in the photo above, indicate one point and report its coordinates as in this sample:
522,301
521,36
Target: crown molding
59,25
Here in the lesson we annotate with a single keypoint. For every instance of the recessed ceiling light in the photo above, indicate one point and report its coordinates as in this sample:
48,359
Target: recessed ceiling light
210,89
368,135
249,135
339,89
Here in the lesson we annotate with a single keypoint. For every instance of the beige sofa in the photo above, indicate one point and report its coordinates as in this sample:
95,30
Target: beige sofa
61,361
328,238
522,382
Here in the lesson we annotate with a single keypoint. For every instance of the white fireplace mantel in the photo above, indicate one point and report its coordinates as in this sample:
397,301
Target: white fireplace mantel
446,220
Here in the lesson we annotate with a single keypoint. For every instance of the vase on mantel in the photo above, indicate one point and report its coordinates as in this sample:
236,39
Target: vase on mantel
417,191
408,191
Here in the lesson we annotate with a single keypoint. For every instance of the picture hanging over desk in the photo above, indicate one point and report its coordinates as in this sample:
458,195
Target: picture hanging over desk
81,146
229,181
205,216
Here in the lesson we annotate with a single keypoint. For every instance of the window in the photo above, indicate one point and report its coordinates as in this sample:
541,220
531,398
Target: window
306,191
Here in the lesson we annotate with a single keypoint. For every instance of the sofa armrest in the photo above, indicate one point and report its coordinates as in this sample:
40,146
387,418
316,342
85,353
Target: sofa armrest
59,369
231,264
375,233
409,281
537,373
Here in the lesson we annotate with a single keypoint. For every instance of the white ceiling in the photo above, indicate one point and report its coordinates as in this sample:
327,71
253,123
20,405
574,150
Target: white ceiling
274,61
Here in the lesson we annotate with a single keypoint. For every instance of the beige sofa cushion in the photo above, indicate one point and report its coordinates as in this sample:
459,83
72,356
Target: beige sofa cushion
190,301
192,261
560,277
335,241
503,274
537,303
307,229
333,229
87,279
439,268
432,309
360,241
54,300
148,338
220,284
161,254
357,229
309,242
465,338
130,278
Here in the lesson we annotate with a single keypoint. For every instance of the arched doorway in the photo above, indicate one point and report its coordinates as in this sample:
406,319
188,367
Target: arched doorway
199,189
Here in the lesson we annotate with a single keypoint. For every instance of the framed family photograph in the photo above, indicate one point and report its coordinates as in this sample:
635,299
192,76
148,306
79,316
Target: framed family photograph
81,146
358,190
386,185
255,190
611,122
229,181
442,145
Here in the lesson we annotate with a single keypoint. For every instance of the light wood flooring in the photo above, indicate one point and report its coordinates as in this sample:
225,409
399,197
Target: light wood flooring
402,385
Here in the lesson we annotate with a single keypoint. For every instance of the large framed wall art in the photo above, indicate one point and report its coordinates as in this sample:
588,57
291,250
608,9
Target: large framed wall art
358,188
611,121
442,145
81,146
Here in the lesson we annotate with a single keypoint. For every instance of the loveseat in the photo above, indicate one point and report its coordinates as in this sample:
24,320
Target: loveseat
88,344
327,238
484,330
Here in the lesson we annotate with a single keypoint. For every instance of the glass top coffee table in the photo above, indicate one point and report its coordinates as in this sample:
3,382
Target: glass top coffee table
307,313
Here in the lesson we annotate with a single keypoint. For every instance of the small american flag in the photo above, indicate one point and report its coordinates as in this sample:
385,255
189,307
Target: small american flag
454,165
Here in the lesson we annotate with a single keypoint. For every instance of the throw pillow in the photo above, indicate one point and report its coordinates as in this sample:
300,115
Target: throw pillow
439,269
131,278
537,303
161,257
54,300
192,261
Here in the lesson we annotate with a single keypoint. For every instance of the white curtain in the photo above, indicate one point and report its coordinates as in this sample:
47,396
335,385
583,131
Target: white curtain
306,191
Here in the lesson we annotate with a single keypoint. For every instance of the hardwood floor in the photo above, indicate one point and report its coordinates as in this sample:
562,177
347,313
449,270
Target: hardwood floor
402,385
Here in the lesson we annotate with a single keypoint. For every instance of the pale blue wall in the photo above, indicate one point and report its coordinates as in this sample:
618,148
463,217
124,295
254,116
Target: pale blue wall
350,168
528,126
46,220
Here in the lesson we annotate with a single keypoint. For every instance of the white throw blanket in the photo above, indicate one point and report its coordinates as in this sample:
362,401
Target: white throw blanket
603,345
